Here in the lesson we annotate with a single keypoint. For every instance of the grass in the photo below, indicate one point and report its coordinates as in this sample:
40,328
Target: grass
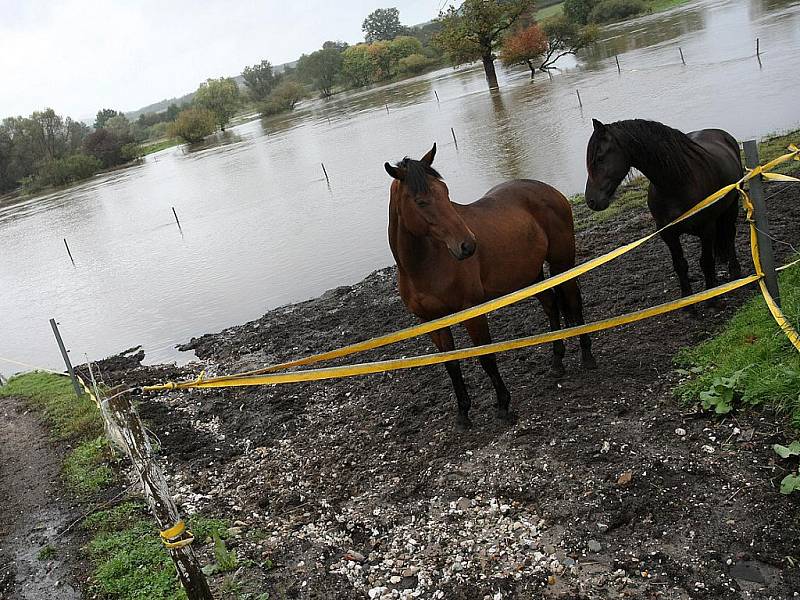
775,146
86,469
129,559
549,11
160,145
661,5
67,416
752,343
46,553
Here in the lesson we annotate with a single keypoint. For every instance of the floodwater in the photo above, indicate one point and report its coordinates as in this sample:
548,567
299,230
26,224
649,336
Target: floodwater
262,228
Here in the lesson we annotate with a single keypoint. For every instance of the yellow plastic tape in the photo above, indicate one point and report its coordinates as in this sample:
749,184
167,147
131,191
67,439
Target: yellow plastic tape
251,377
169,534
441,357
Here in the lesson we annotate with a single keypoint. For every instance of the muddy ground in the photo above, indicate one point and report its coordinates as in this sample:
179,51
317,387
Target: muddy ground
34,511
605,487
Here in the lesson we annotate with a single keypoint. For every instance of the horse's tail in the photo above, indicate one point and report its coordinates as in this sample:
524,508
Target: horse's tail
726,230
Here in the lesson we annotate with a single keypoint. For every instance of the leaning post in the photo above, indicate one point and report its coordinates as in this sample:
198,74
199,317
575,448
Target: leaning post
154,487
65,356
761,219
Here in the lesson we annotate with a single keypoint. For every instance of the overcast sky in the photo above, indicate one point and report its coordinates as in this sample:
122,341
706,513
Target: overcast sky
77,56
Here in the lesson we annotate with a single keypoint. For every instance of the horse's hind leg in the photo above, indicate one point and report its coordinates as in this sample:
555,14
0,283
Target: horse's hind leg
478,330
726,235
550,306
569,294
443,338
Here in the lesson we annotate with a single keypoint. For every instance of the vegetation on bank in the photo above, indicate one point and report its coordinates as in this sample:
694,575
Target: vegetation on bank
128,560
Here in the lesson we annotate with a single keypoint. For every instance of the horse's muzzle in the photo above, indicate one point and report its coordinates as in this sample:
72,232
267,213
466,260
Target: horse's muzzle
464,250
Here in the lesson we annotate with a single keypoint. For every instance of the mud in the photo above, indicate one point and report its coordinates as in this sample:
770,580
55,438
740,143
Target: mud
606,486
33,510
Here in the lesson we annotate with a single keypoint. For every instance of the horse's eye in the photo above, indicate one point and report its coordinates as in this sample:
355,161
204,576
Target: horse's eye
421,202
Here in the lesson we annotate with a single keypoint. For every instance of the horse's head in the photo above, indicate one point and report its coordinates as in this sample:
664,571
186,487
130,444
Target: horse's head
607,165
423,205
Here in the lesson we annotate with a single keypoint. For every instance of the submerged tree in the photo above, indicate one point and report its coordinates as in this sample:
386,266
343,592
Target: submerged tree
565,37
321,69
193,124
473,30
525,46
221,97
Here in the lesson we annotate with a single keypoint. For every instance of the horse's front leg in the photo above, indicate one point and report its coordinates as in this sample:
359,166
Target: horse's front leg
443,338
707,262
478,330
673,242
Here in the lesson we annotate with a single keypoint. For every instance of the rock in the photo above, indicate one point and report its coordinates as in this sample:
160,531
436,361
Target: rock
395,579
680,431
594,546
233,531
354,556
625,478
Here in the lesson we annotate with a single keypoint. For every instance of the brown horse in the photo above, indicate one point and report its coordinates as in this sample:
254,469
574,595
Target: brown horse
451,257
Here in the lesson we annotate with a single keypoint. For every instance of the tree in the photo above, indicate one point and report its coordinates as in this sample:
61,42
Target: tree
283,98
381,57
357,66
193,124
382,24
473,30
104,115
120,127
321,69
337,45
578,11
105,146
221,97
524,46
172,112
259,79
564,37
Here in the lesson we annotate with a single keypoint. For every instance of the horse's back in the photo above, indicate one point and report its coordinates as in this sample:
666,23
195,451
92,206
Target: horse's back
724,148
542,202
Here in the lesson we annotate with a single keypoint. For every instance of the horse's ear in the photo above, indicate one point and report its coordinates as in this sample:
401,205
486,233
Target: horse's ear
393,171
428,158
598,126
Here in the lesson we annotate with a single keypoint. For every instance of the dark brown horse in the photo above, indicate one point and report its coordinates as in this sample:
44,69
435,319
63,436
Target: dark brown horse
452,256
682,169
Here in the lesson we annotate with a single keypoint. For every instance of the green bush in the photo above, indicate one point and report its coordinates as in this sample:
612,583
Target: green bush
616,10
68,170
193,125
578,11
415,63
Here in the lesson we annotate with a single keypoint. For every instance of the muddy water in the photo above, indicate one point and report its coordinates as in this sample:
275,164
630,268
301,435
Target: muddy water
261,227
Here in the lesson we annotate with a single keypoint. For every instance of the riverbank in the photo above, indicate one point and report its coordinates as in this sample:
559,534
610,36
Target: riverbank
606,486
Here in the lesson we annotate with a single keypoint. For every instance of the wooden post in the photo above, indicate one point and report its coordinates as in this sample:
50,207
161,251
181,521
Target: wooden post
326,173
156,492
387,107
176,217
579,98
68,252
437,96
761,219
65,356
455,141
682,59
616,58
758,50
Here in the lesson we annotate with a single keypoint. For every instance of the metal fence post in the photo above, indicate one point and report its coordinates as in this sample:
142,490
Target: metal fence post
65,356
762,222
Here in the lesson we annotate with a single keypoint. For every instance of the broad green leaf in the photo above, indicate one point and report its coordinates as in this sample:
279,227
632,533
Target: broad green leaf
790,483
792,449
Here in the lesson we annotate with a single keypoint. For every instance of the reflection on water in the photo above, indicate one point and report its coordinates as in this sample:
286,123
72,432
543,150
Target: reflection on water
262,228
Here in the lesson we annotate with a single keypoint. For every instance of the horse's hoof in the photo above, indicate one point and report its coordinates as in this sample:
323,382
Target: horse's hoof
506,415
557,372
463,423
589,362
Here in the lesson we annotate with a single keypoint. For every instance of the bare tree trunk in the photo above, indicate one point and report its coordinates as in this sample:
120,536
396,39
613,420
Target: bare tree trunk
488,67
532,68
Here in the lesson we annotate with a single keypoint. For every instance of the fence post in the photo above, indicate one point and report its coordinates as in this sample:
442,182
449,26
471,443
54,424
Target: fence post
154,486
761,219
65,356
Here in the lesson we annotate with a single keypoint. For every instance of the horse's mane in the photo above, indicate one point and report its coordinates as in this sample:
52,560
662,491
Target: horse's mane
663,153
416,176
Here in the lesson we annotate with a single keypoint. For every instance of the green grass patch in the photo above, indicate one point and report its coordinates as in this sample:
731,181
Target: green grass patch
752,343
67,416
660,5
86,469
549,11
160,145
631,195
46,553
775,146
130,561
